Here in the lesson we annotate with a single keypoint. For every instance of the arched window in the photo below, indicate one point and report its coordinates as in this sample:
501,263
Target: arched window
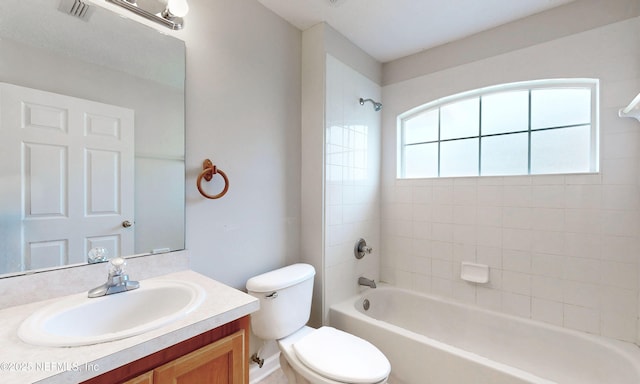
533,127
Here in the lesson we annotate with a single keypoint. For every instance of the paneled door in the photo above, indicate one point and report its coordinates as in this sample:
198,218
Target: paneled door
68,186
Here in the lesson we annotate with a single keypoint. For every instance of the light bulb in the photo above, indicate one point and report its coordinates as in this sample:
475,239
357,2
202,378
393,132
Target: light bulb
178,8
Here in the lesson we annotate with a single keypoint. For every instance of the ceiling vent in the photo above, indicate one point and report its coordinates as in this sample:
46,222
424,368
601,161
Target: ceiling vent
77,8
336,3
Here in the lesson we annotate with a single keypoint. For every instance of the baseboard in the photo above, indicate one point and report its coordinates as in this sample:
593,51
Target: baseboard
271,364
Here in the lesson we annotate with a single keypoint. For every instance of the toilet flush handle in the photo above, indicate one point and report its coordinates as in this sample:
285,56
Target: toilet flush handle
272,295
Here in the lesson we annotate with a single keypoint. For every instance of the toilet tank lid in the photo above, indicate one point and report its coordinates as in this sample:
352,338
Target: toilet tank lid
281,278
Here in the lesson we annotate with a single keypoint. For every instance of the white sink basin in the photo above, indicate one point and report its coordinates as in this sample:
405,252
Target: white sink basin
78,320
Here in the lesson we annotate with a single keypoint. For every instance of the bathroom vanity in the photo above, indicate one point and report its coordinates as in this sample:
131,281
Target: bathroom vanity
211,340
217,356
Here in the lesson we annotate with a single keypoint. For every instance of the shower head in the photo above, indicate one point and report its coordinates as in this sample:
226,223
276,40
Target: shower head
376,106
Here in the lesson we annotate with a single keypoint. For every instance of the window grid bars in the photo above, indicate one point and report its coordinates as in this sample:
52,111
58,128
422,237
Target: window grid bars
480,136
439,141
529,136
594,142
498,134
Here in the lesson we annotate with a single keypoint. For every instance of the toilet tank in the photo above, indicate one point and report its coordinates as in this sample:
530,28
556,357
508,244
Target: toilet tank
285,300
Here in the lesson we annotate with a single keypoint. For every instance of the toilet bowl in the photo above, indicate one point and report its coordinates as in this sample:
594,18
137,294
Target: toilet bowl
318,356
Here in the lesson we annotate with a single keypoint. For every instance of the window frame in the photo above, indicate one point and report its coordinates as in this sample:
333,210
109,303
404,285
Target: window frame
591,83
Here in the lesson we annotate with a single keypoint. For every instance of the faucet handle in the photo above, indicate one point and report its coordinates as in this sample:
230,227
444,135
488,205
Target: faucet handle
97,255
116,266
361,248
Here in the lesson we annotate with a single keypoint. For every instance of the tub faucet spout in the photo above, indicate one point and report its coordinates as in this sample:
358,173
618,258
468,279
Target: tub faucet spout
366,282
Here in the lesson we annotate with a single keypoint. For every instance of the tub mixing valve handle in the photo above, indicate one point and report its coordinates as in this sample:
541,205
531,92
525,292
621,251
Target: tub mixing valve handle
361,248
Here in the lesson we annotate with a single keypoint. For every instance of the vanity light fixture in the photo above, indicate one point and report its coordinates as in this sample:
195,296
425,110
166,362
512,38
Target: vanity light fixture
170,17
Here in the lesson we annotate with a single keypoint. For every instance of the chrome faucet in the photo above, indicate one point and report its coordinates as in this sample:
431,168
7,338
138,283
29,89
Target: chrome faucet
118,281
366,282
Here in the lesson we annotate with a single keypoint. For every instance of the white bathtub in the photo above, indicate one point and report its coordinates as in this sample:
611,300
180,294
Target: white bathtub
429,340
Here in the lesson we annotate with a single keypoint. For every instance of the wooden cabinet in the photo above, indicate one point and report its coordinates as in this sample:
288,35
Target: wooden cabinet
220,356
146,378
219,363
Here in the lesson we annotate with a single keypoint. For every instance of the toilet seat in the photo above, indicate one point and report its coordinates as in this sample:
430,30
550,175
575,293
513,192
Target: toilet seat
342,357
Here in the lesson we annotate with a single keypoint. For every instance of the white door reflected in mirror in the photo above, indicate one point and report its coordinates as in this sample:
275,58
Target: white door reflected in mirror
73,163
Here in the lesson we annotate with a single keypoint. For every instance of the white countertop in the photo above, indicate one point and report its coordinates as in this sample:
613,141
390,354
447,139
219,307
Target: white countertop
22,363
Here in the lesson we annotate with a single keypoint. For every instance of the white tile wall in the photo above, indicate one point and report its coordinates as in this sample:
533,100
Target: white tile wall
352,188
562,249
563,265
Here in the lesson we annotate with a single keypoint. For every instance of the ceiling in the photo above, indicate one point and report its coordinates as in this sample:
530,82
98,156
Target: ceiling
390,29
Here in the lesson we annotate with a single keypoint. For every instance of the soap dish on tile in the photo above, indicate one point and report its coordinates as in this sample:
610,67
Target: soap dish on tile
475,273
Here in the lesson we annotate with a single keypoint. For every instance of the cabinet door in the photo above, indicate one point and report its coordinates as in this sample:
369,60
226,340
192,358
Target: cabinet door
146,378
219,363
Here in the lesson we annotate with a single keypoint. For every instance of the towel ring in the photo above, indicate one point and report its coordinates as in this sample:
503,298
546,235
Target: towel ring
208,170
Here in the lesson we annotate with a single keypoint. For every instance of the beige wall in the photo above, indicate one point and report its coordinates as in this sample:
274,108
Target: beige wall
243,112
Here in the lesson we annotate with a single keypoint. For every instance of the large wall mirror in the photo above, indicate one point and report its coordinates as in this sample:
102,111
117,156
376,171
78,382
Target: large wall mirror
91,136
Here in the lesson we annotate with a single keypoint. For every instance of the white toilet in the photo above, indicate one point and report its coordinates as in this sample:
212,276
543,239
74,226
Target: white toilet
318,356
